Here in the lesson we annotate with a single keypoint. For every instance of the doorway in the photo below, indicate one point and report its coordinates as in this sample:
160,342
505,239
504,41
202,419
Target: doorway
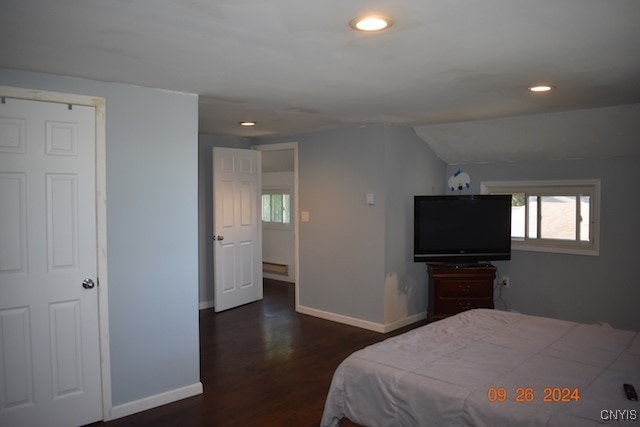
280,231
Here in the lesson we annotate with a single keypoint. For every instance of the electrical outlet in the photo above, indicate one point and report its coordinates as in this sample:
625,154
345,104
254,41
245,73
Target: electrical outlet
505,281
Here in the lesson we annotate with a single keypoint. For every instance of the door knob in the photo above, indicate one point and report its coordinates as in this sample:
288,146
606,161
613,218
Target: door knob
218,237
88,284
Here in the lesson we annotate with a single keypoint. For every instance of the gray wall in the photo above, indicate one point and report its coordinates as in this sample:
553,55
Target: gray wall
151,144
573,287
342,247
344,253
205,209
411,168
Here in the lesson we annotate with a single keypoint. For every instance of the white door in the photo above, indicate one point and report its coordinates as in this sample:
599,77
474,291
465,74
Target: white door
49,341
237,226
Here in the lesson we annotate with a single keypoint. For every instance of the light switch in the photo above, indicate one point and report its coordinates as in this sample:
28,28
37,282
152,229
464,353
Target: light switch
304,216
370,200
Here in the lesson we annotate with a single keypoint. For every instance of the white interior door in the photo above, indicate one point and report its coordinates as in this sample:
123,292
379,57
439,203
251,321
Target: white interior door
49,340
237,226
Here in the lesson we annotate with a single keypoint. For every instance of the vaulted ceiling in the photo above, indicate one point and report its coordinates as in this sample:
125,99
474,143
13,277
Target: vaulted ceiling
296,66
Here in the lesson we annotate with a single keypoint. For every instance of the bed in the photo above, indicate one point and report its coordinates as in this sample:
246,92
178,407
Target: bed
490,368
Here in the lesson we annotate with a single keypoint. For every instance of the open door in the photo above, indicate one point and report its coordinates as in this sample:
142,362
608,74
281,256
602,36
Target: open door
237,227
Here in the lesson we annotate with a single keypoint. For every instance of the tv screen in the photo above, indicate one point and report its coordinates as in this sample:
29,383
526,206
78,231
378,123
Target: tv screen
462,228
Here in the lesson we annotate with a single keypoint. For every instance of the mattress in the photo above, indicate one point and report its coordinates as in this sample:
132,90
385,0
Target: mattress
490,368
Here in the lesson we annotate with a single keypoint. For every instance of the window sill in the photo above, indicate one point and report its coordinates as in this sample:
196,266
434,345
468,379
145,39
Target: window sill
522,246
278,227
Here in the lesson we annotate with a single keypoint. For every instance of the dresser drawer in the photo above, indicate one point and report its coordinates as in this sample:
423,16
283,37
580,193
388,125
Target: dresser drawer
452,306
464,289
453,289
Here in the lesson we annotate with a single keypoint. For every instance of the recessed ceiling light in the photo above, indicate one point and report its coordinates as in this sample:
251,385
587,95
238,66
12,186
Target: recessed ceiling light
371,23
247,123
541,88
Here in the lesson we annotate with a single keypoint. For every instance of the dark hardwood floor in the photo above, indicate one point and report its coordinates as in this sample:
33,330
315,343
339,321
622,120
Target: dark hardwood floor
262,364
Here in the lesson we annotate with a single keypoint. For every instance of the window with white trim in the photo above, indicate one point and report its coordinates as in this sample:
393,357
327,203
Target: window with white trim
553,216
276,207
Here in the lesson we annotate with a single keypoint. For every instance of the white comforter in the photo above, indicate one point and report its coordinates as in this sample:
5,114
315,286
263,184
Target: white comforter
446,373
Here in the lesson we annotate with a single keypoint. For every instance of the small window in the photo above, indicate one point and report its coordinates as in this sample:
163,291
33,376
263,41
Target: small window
276,207
552,216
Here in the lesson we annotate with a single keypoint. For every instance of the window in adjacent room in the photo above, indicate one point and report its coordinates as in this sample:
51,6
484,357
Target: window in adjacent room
553,216
276,207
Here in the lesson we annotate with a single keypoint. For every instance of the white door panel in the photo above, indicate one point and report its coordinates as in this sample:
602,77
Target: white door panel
49,340
237,227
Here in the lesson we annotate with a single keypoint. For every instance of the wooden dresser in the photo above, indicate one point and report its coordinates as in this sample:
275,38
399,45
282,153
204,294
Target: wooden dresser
456,288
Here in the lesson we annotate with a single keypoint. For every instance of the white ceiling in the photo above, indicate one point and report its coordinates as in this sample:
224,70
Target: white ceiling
296,66
576,134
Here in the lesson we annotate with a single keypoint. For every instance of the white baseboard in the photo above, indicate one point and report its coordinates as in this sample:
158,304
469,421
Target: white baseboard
205,304
388,327
136,406
364,324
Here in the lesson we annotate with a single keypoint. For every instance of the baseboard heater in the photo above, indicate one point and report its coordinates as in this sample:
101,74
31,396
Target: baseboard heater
275,268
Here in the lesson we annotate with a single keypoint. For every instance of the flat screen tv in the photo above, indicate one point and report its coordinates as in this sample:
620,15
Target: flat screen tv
462,229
